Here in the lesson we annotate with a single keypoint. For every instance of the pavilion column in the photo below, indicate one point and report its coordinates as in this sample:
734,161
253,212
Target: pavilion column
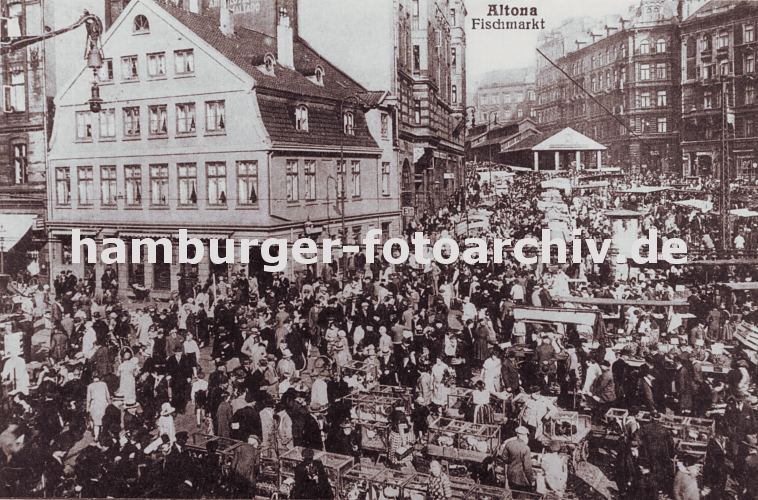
578,160
557,160
599,160
536,160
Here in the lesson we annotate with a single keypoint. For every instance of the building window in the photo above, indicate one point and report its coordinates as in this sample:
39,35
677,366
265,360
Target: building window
131,122
309,169
385,178
520,113
454,58
453,19
750,94
750,63
660,70
185,118
660,45
108,188
247,182
293,187
83,126
62,186
662,98
707,100
455,94
341,192
645,47
136,270
20,163
105,73
355,171
319,74
348,122
215,119
156,64
85,184
141,24
748,34
158,120
662,125
722,41
216,183
385,124
301,118
705,43
644,72
107,118
133,184
15,93
159,185
724,68
268,63
161,270
187,175
417,110
416,58
184,62
129,68
415,14
644,100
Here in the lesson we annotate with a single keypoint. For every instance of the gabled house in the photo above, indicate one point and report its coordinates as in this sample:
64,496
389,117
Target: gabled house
222,130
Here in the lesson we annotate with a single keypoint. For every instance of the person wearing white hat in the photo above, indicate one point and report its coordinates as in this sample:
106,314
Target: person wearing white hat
286,367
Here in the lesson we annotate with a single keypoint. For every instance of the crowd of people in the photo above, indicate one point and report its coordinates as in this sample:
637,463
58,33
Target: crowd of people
110,404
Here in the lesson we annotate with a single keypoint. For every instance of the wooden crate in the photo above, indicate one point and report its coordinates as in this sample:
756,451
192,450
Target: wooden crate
459,440
357,482
377,408
336,465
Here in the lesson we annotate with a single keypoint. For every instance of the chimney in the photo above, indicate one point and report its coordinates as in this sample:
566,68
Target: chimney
594,36
285,44
609,29
226,20
194,6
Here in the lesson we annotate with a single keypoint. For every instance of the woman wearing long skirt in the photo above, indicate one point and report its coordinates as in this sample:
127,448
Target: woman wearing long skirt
98,399
482,409
127,372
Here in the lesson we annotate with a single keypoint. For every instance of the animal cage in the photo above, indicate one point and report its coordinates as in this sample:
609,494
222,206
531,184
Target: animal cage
460,440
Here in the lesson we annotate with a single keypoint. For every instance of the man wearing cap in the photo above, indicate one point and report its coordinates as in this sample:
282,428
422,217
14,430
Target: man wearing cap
517,457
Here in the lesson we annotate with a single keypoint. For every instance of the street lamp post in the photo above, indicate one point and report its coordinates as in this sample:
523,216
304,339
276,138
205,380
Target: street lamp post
2,249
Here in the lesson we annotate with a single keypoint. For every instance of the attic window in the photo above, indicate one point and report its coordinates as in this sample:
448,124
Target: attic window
268,63
319,75
301,118
348,120
141,24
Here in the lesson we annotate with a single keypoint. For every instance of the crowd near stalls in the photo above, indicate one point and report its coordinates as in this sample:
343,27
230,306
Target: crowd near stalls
406,381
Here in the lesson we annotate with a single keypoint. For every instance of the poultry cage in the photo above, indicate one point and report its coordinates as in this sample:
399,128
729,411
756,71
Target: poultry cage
336,465
570,429
198,446
416,487
371,411
460,440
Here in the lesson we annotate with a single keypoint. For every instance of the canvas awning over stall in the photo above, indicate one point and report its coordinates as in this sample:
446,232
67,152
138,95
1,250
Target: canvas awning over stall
13,228
702,205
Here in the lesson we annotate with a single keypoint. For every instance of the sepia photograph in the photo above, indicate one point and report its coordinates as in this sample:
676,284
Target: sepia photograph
379,249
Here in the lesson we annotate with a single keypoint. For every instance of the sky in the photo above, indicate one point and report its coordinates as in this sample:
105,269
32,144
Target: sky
489,50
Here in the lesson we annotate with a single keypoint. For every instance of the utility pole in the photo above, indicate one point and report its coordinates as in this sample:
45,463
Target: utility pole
724,172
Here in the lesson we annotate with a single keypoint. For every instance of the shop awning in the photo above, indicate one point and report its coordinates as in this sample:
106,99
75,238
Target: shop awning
743,212
13,228
702,205
643,189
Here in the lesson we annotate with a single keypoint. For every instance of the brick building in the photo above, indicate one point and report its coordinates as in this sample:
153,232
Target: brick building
505,95
719,51
631,68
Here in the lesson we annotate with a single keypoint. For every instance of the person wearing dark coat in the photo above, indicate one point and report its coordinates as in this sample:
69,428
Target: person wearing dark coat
715,470
517,456
344,440
657,448
179,369
509,374
245,466
178,467
311,480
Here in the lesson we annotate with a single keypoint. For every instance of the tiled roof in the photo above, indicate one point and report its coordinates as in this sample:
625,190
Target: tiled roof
280,93
247,47
324,125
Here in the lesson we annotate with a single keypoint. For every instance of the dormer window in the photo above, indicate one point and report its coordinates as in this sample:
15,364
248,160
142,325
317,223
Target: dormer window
141,24
301,118
319,75
268,63
348,121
